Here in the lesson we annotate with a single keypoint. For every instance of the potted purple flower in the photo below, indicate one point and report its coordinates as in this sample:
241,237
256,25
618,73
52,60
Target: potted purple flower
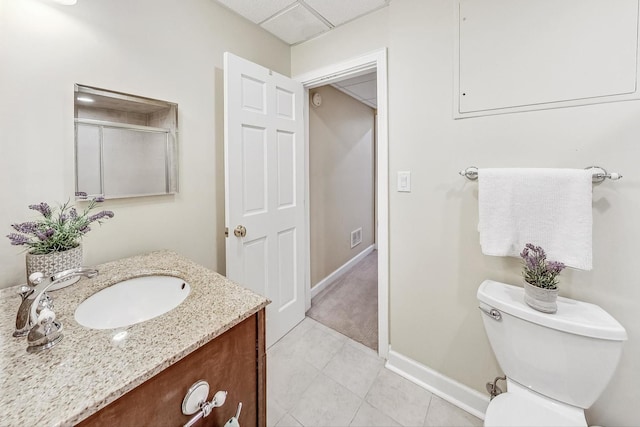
53,241
541,279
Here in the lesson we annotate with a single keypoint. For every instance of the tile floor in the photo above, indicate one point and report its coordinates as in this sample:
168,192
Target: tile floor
319,377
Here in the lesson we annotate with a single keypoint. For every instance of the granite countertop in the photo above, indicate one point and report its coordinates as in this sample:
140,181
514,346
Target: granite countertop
89,369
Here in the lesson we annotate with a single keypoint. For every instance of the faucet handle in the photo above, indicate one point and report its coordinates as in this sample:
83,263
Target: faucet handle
35,278
24,291
22,318
45,333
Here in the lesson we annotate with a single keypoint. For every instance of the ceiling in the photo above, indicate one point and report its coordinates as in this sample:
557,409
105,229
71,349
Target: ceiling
294,21
363,88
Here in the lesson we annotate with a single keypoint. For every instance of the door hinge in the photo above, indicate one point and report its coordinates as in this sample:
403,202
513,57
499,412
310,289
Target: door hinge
226,232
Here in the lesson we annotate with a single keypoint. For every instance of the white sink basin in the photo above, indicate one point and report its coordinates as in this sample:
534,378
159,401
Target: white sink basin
132,301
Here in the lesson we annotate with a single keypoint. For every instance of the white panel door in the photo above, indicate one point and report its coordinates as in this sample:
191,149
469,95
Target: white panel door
264,189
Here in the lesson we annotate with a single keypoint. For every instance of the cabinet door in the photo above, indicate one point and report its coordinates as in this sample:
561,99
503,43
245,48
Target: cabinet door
234,361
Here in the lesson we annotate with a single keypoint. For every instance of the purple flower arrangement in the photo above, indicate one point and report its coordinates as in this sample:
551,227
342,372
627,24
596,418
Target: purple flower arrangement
59,229
537,270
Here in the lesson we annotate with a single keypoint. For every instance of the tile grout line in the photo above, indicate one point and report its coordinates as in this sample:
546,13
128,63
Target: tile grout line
319,371
426,416
359,401
357,412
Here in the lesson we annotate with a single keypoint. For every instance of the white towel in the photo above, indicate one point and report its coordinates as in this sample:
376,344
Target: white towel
551,208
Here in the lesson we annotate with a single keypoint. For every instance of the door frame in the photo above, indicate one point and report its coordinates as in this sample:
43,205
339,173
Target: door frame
376,60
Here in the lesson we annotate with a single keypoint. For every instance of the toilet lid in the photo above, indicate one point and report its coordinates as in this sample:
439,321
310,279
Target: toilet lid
513,410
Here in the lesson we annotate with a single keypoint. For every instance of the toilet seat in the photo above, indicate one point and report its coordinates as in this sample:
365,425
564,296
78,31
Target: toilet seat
517,410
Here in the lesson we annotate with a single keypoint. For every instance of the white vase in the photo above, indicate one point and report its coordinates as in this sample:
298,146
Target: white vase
541,299
55,262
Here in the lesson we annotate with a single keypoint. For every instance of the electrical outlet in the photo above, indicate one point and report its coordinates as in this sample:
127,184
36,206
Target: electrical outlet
356,237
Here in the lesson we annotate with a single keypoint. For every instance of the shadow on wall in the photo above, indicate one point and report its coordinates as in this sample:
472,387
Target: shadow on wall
218,141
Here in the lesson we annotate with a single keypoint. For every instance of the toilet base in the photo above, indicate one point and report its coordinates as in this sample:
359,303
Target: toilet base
522,407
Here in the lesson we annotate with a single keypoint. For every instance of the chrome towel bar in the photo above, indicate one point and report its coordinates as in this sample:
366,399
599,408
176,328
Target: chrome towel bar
599,174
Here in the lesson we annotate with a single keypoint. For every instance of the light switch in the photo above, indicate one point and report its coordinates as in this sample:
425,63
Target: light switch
404,181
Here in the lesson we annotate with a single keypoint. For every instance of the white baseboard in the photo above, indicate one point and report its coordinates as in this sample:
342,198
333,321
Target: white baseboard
340,271
442,386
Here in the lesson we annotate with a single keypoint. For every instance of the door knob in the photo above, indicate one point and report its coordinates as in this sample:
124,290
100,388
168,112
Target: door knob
240,231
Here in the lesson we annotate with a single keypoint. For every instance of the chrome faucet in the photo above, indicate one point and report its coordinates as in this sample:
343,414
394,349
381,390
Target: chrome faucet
35,317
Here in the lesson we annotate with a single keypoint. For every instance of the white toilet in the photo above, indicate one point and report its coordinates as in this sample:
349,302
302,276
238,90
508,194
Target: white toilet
557,365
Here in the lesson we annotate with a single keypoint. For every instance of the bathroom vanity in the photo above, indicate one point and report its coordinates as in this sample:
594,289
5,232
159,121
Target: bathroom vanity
139,375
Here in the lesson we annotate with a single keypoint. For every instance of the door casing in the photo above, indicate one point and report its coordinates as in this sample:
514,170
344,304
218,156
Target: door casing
377,61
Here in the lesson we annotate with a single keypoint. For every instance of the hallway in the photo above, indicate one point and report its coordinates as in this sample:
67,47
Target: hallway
350,304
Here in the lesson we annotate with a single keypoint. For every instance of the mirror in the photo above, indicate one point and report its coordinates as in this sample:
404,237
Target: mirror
125,145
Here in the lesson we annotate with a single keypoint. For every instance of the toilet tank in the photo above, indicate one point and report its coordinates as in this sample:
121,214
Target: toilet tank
569,356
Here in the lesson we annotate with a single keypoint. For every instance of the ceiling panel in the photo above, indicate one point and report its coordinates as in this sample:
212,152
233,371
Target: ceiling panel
358,79
363,88
366,90
257,10
295,24
340,11
295,21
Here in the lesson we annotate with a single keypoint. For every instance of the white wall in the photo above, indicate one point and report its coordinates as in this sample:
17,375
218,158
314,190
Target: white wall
435,259
164,49
363,35
341,180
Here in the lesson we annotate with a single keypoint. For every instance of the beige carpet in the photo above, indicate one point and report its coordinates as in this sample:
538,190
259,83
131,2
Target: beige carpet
350,304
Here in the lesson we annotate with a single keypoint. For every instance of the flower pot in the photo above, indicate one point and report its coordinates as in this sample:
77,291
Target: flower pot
540,298
55,262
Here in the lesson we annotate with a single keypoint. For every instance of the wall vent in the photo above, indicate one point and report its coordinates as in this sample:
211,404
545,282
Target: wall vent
356,237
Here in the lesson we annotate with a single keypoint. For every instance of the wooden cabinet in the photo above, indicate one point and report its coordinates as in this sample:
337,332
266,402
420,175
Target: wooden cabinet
235,361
